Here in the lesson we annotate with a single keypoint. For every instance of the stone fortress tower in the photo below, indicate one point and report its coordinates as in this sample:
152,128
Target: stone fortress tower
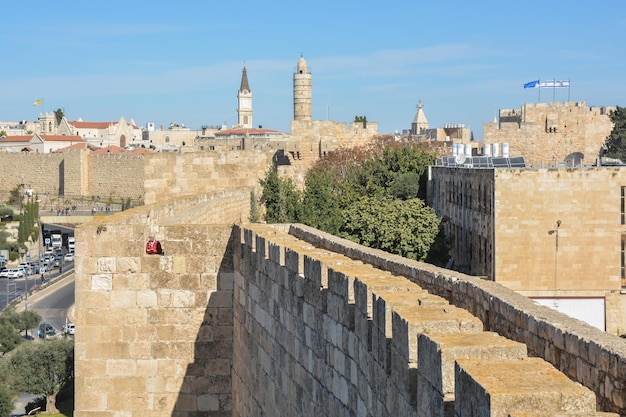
302,91
244,97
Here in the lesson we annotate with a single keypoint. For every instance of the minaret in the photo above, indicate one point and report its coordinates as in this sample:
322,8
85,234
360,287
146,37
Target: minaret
244,96
302,92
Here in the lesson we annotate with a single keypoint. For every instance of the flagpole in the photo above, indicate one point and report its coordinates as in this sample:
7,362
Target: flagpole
539,91
554,90
568,87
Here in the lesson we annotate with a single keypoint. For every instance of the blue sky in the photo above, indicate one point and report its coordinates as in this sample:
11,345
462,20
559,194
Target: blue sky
181,61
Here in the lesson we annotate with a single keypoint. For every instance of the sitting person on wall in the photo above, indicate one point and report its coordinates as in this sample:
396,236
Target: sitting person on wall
153,247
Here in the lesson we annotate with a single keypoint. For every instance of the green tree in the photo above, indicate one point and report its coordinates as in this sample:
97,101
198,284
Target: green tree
58,116
405,227
27,228
369,194
616,141
29,319
390,169
405,186
42,368
3,133
7,389
361,119
12,324
6,212
9,338
321,204
7,403
281,198
255,215
16,195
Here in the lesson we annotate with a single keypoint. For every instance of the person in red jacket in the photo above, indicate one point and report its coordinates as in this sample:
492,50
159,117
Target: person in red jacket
153,247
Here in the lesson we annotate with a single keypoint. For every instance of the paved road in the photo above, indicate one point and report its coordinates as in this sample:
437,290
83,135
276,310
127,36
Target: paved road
54,303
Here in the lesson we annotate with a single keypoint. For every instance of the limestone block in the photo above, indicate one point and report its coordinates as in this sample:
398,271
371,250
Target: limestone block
497,387
426,319
436,358
102,282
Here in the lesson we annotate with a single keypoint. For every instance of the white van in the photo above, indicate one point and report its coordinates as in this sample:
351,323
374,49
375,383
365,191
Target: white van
69,328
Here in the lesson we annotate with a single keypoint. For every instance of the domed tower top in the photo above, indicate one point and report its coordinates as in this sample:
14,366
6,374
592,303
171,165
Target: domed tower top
302,65
302,91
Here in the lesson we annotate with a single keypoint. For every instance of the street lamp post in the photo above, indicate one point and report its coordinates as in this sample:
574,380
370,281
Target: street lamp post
556,251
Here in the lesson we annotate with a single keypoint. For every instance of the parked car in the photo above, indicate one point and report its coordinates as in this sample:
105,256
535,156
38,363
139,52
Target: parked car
14,273
69,328
4,273
46,331
69,257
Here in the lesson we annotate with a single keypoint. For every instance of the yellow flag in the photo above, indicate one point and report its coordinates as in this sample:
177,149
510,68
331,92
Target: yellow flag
37,103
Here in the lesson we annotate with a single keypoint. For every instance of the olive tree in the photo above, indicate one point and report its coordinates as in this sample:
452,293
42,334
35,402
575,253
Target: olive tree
43,368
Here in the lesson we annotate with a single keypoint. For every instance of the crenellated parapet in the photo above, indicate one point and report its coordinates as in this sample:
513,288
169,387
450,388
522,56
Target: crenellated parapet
241,319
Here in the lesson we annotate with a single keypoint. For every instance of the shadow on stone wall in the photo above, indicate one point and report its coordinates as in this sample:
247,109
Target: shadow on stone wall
207,384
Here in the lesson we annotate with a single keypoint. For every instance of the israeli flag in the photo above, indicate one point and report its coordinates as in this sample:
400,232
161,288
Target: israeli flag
531,84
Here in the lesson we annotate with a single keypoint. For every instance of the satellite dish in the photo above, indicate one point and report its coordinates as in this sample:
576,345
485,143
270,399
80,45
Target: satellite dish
460,159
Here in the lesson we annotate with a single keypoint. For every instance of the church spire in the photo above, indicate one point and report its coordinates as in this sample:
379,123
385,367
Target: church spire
244,96
244,81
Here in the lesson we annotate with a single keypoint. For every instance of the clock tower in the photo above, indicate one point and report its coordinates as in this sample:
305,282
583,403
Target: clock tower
244,96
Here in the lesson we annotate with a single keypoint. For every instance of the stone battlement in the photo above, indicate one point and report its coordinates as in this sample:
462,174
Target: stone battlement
286,320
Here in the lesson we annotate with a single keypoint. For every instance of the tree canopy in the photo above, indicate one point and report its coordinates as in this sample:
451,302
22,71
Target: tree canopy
58,115
42,368
372,195
404,227
8,390
12,324
281,198
616,141
28,228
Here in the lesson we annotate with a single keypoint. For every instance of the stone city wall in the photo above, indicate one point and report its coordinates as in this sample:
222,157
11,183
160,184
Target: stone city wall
37,171
156,331
74,173
546,133
115,176
318,137
173,174
287,320
319,332
585,354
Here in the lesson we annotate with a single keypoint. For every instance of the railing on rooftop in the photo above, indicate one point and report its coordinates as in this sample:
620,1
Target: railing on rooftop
481,162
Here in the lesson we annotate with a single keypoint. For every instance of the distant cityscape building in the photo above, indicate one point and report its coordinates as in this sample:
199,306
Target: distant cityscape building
38,143
120,133
244,98
451,132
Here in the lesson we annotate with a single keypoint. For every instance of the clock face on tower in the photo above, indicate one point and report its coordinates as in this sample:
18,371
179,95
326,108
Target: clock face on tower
245,103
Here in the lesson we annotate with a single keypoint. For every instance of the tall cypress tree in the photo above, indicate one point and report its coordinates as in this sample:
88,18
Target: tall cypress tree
616,142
